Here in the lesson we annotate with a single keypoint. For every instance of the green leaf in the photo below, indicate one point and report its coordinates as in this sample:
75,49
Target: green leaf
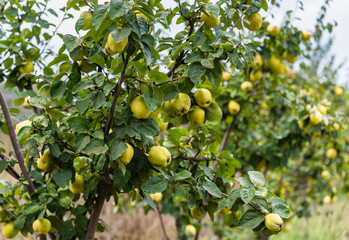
150,101
261,202
180,194
148,127
120,34
257,178
245,182
95,146
99,14
247,194
157,76
98,59
71,42
150,201
54,149
278,201
81,141
117,147
62,177
32,208
78,124
19,222
282,210
155,185
212,189
83,85
119,8
58,89
83,104
265,5
182,175
72,3
65,202
232,197
40,102
207,171
213,9
196,71
213,113
251,219
100,100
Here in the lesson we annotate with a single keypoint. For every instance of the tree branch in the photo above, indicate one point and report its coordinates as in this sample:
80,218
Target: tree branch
239,20
10,213
92,225
227,133
162,222
10,169
116,95
196,159
15,144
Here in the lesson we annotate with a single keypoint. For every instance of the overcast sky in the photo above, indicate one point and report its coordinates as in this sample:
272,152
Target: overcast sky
338,11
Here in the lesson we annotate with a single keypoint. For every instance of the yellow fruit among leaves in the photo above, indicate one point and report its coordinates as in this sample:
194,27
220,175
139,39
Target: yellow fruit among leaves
273,30
28,67
42,226
198,212
254,21
112,47
226,76
181,104
209,20
9,231
87,20
246,86
196,116
26,103
325,175
316,118
159,156
338,90
45,161
20,125
157,197
306,36
273,222
289,57
127,156
139,108
331,153
203,98
256,75
224,212
233,107
257,61
78,185
190,229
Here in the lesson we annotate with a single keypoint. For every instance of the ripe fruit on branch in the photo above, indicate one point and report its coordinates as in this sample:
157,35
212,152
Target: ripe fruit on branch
226,76
78,185
157,197
28,67
8,230
338,90
273,222
190,229
26,103
325,175
112,47
257,61
321,108
316,118
45,161
256,75
159,156
127,156
42,226
273,30
276,65
331,153
254,21
25,123
181,104
139,108
306,36
209,20
289,57
246,86
196,116
224,212
203,98
233,107
198,212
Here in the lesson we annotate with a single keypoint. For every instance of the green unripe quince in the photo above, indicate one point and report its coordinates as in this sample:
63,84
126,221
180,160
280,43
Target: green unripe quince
196,116
42,226
8,230
209,20
159,156
255,21
127,156
198,212
78,185
203,98
139,108
273,222
28,67
169,110
181,104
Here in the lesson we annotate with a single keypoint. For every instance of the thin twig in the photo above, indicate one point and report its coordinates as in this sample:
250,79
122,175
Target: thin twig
10,169
242,15
116,95
200,159
162,223
227,133
9,212
15,144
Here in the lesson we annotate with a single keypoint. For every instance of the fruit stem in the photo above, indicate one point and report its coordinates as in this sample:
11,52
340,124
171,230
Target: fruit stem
15,144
